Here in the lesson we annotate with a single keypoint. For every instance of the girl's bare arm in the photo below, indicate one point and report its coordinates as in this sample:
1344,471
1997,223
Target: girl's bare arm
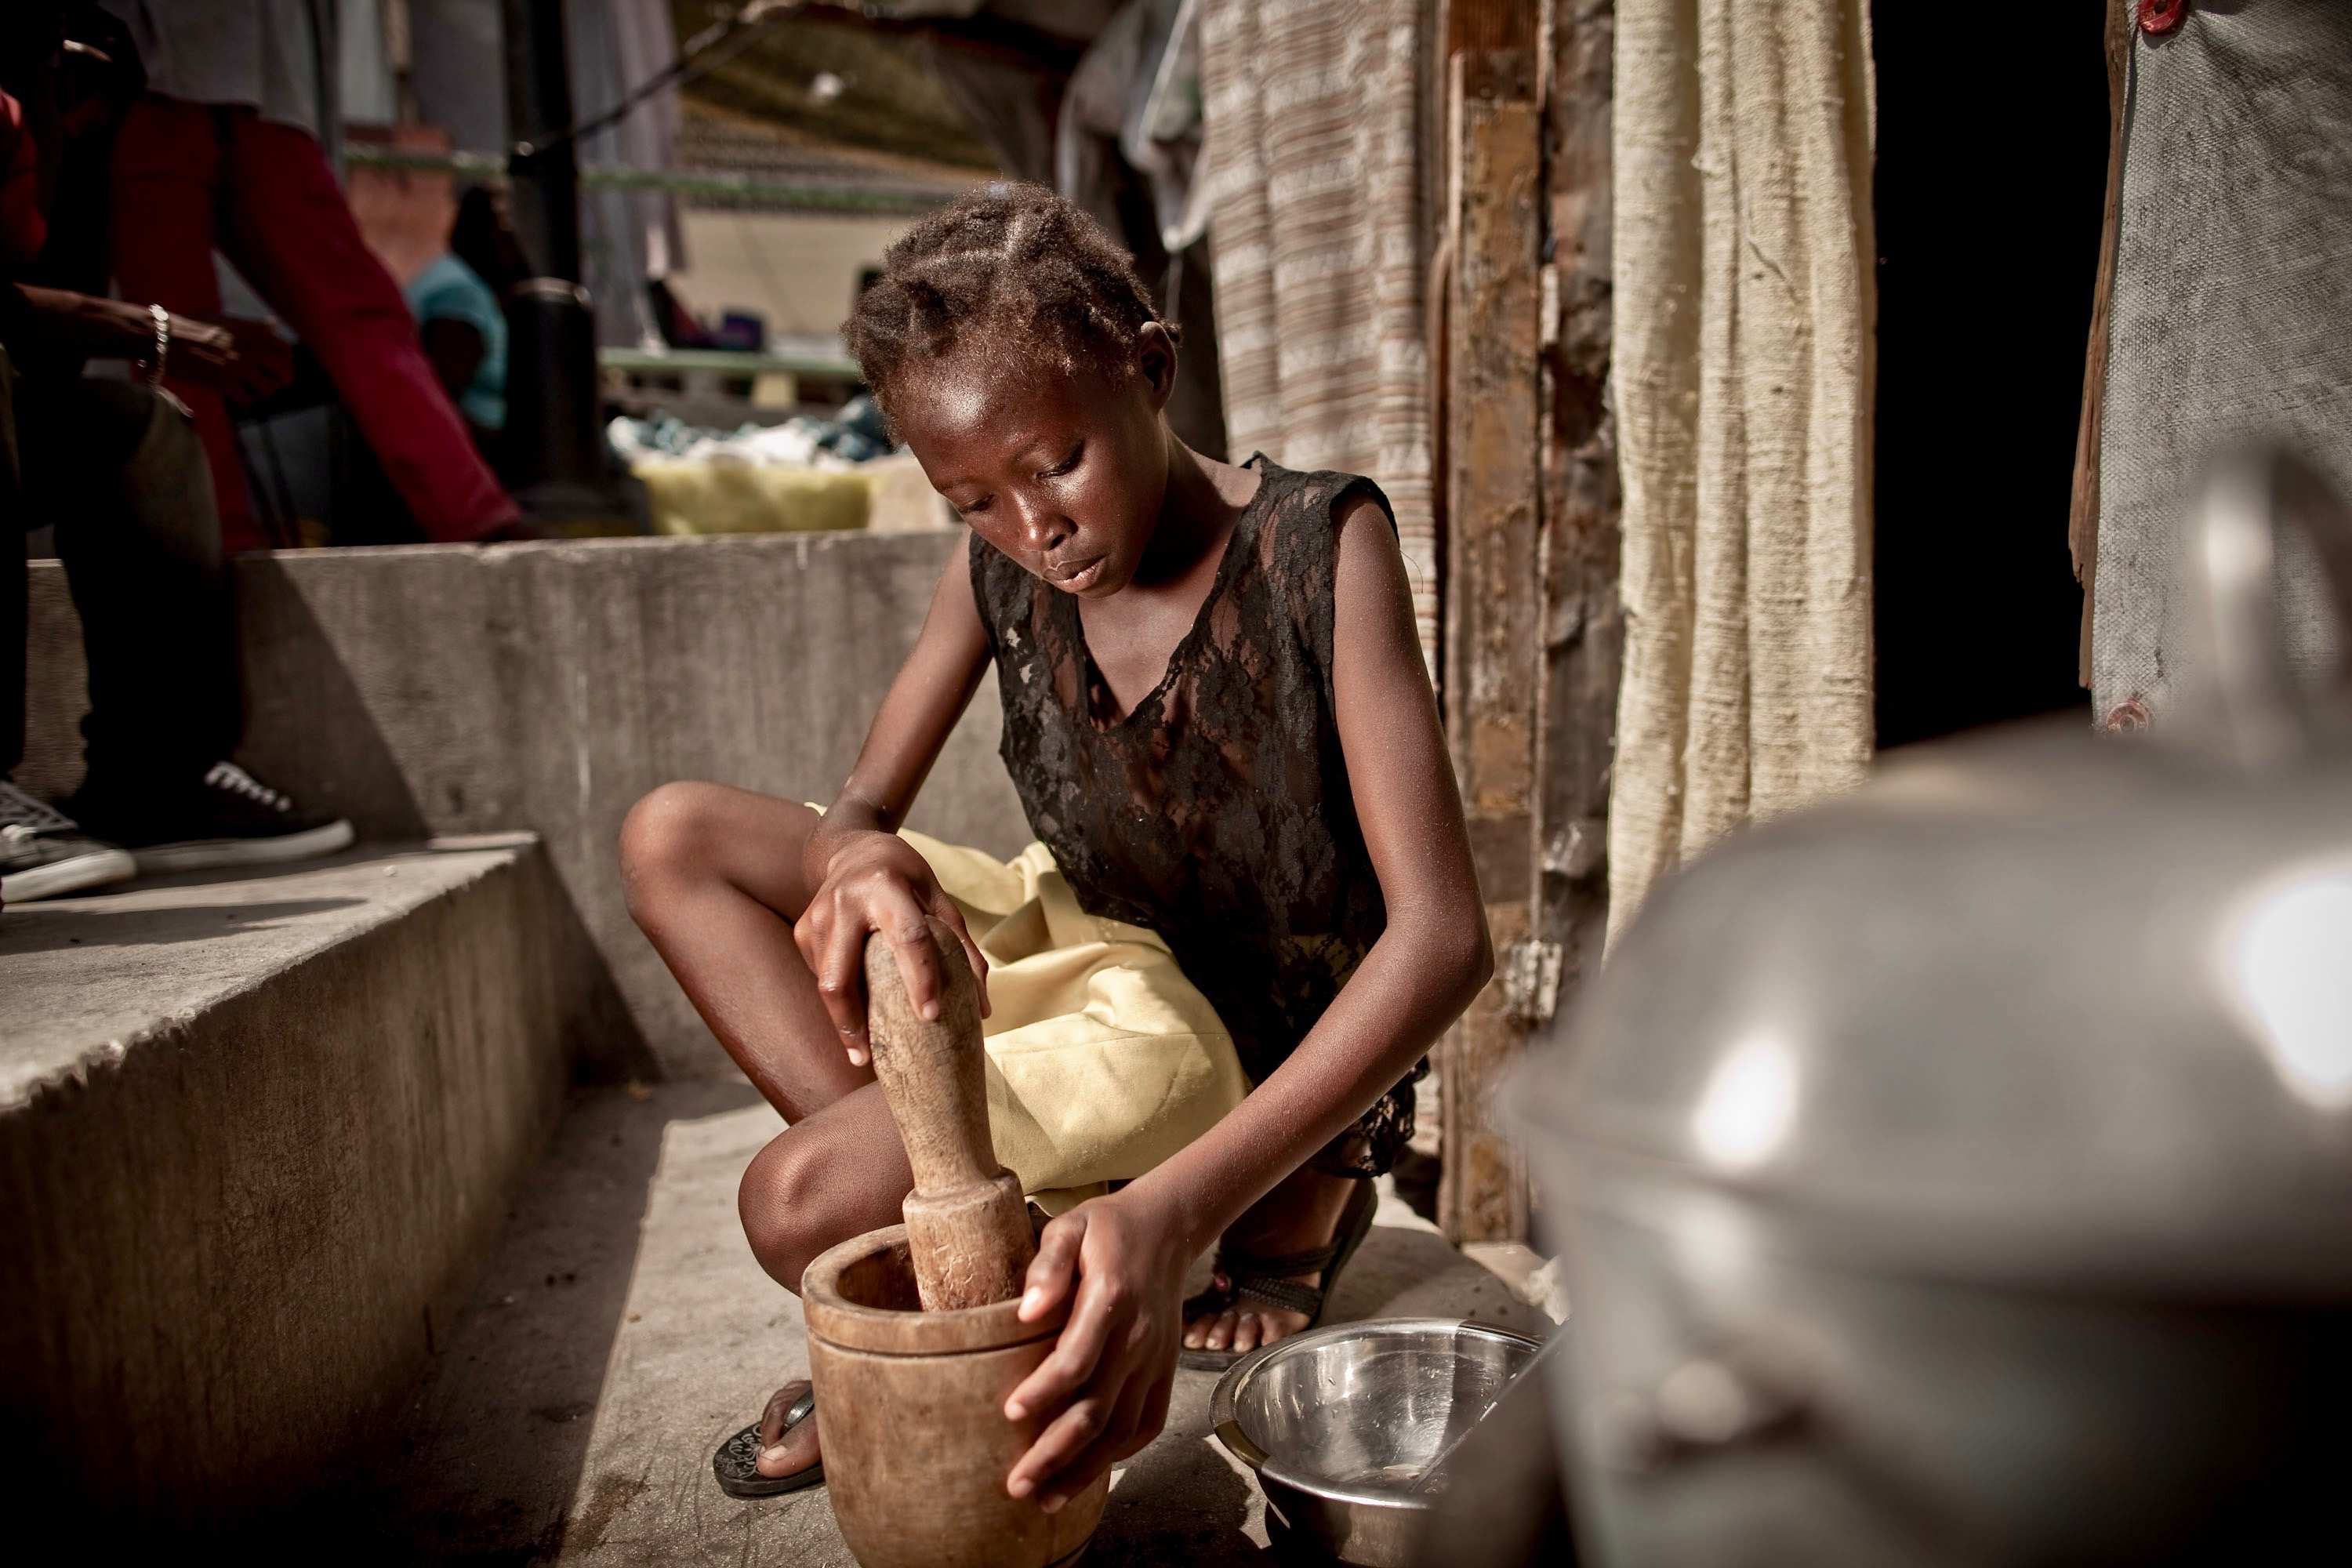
932,689
868,879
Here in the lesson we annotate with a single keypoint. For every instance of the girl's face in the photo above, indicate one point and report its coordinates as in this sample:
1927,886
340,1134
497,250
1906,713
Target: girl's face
1065,474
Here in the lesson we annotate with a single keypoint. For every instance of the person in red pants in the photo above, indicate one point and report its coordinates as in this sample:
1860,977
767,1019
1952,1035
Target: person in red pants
115,466
219,155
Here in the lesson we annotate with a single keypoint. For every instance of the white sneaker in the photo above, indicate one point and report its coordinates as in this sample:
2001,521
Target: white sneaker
43,854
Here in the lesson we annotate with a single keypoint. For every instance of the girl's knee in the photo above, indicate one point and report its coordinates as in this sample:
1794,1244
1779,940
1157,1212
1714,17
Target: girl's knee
787,1212
667,834
685,834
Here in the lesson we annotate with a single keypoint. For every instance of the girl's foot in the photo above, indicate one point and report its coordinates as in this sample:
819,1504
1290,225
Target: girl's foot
783,1452
779,1454
1301,1216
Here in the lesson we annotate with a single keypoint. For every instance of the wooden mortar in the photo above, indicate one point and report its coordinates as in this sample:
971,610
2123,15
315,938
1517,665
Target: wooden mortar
917,1446
914,1331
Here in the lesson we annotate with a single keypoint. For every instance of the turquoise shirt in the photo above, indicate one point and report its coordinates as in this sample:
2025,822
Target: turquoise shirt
448,290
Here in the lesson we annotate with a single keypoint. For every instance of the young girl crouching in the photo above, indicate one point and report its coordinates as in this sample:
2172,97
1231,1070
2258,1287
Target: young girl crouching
1251,909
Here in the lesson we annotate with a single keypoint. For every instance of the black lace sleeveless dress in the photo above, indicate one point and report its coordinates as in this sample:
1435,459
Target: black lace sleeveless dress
1217,813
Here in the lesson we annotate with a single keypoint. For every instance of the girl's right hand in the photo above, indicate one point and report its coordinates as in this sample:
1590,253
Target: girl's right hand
875,882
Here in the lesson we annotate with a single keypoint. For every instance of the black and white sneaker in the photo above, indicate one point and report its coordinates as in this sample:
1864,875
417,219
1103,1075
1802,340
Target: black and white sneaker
230,818
44,854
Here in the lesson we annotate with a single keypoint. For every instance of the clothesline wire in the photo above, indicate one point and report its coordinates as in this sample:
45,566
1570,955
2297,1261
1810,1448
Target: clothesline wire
703,53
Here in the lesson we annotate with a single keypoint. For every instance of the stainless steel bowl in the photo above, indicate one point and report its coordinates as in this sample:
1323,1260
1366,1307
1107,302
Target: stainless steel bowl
1342,1423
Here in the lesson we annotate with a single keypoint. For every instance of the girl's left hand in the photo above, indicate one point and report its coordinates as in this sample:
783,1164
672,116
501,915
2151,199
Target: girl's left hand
1103,1390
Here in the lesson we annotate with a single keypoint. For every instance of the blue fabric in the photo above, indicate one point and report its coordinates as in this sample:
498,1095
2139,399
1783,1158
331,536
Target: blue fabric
450,290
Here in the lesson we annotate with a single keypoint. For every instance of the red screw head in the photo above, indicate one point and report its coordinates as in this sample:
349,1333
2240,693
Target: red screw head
2157,17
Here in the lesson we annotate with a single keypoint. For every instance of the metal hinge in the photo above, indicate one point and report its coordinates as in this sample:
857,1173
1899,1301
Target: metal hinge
1531,981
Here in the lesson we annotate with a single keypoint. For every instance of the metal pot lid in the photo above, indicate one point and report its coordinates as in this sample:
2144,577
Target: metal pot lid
2036,1002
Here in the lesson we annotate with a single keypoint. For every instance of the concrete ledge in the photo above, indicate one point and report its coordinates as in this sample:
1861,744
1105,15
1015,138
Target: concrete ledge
442,688
255,1135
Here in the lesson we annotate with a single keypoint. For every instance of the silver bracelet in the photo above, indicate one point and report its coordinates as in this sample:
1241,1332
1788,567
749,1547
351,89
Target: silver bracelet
162,319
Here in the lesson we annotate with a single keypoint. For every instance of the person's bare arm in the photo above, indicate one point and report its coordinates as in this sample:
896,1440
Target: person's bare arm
242,359
868,879
1109,1375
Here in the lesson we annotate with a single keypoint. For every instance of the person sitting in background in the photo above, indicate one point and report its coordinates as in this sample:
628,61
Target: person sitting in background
459,300
220,150
116,465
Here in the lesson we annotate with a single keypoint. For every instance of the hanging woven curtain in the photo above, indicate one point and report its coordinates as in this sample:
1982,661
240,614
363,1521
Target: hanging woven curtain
1313,119
1743,390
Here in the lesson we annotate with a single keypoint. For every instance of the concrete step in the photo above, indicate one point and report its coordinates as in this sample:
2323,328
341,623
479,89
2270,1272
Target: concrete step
622,1331
257,1134
435,688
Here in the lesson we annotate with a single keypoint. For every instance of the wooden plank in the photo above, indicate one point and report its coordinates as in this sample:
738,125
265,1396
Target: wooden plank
1491,26
1492,613
1584,623
2083,516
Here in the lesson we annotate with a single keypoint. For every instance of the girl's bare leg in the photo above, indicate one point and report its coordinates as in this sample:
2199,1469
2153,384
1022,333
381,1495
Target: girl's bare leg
840,1172
714,880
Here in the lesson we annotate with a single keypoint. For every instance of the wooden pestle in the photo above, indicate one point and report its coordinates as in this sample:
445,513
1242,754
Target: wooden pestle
967,1222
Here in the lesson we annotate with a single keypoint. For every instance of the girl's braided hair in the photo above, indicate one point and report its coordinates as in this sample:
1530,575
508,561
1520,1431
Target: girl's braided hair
1010,272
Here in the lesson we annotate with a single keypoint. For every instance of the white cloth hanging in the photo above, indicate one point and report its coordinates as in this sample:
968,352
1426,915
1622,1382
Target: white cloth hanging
1743,383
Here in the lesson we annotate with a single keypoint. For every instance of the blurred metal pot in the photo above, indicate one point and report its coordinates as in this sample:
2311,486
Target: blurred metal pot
1962,1173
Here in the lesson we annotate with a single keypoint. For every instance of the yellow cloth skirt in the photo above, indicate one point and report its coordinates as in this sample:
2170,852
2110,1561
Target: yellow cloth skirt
1103,1059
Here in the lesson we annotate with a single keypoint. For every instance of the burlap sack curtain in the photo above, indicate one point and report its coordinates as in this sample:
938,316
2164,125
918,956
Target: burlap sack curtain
2229,321
1313,116
1743,390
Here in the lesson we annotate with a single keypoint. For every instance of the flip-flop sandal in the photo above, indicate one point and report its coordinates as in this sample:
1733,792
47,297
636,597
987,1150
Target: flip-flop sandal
737,1462
1268,1279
